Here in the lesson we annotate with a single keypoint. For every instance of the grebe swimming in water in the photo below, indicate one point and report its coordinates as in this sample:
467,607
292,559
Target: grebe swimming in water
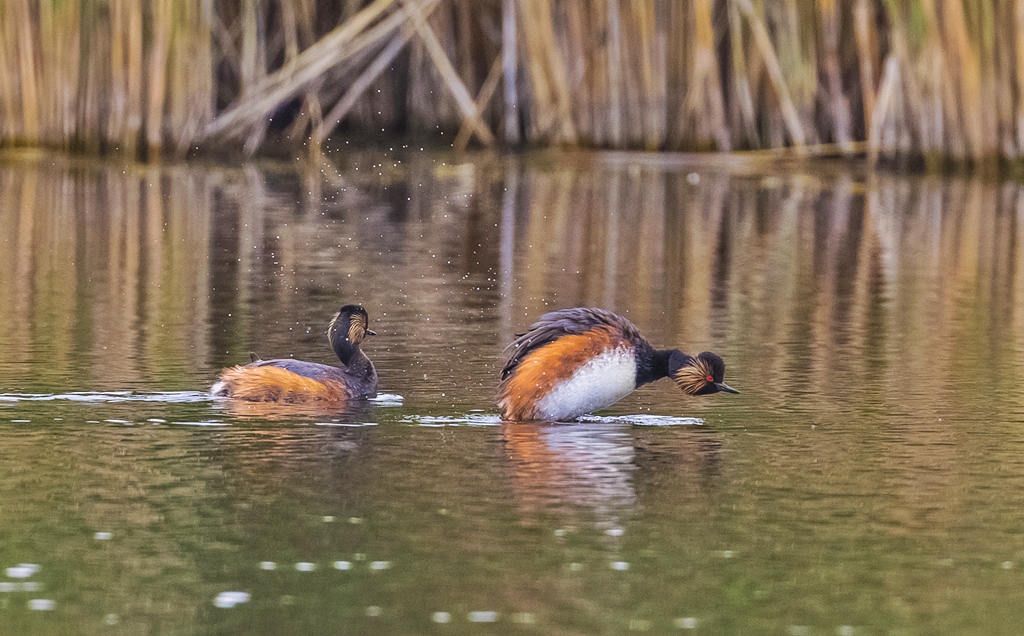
297,381
574,361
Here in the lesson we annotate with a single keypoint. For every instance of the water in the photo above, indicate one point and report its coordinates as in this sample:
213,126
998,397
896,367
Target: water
868,480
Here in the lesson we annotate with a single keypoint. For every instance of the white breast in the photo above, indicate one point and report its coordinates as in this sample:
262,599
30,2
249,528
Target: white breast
601,382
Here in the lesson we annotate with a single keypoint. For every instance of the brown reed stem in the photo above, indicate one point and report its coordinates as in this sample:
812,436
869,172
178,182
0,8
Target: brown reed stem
771,61
510,67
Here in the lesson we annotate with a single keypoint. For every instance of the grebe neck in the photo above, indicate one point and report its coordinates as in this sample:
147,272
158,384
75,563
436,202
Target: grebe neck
652,364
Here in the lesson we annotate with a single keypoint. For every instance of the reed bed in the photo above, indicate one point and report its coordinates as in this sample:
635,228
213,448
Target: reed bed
931,80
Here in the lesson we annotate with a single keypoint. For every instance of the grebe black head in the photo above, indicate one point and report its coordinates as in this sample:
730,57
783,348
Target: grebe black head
347,330
700,375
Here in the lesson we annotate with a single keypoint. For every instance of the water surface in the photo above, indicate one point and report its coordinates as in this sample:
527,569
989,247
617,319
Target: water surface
868,480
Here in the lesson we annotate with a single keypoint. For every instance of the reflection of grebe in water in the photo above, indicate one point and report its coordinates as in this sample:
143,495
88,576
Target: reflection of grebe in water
599,468
584,465
575,361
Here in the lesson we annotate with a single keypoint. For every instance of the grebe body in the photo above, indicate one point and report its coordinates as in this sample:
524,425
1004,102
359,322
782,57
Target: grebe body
575,361
297,381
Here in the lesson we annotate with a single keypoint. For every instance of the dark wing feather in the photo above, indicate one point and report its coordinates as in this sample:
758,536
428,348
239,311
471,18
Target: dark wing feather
556,324
312,370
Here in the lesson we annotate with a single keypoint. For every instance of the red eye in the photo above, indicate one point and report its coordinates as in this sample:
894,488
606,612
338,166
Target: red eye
709,379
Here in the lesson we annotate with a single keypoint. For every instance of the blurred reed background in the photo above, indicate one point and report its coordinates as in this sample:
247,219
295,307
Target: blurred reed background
930,80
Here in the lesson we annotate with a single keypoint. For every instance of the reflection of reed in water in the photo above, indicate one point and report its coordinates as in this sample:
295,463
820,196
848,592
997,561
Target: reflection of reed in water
102,283
565,469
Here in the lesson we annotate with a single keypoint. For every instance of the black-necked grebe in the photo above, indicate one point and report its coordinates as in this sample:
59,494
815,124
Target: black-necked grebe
575,361
296,381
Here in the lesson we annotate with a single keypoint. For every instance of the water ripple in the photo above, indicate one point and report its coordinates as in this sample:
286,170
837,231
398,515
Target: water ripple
110,397
452,420
643,420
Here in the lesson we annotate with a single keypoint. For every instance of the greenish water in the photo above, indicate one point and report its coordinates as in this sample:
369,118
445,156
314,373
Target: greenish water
868,480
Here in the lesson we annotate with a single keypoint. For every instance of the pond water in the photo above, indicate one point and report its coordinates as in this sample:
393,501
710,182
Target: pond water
868,480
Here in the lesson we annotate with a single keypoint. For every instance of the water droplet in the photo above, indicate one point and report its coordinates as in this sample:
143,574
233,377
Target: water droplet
441,617
227,600
22,571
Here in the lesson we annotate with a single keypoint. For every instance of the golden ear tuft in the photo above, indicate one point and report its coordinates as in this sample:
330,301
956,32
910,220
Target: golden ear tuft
356,328
693,377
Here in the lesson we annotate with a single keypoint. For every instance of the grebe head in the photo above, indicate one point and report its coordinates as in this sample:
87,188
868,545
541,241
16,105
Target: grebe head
348,328
700,375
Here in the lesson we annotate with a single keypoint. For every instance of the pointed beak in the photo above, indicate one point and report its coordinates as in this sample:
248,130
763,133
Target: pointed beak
371,332
722,386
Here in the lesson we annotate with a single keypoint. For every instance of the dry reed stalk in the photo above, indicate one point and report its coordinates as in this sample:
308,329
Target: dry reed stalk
764,44
157,68
967,77
999,79
937,130
93,82
117,106
310,64
705,110
444,66
574,36
61,25
465,40
886,91
490,86
192,94
652,76
27,68
550,110
114,75
297,25
510,67
614,52
840,107
588,76
9,119
866,41
1018,30
361,83
743,117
